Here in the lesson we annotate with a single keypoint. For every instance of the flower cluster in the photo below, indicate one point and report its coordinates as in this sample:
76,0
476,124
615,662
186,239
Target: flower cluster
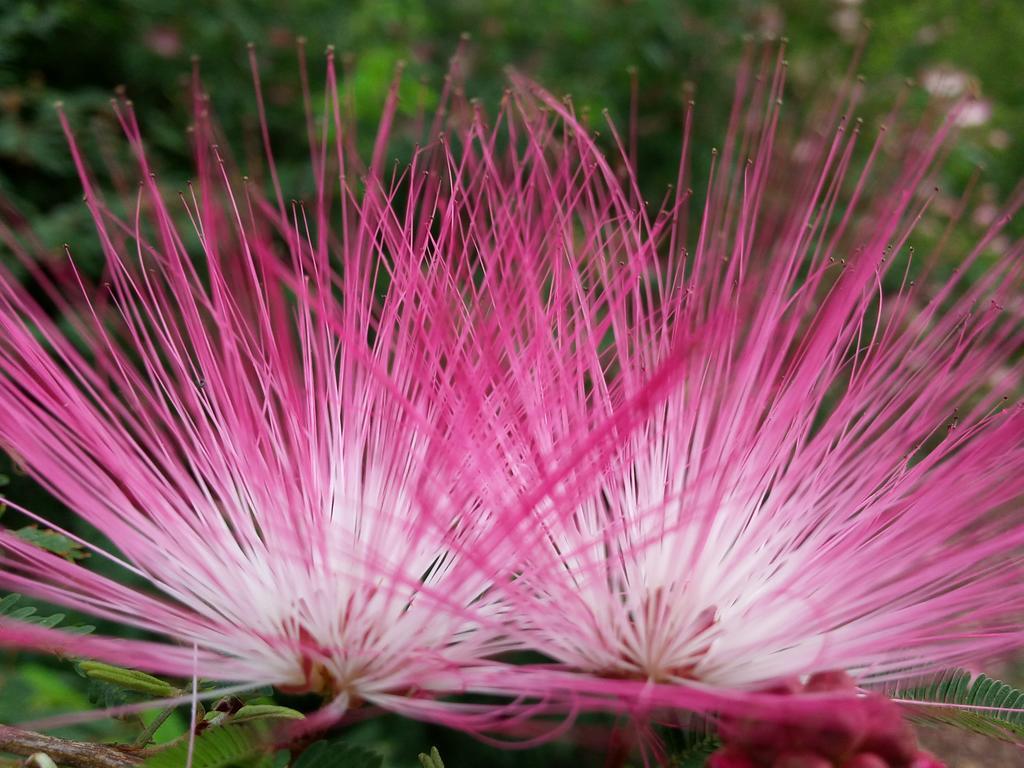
367,444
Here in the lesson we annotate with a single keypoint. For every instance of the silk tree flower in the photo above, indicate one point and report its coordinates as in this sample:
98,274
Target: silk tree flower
495,404
252,460
250,411
270,410
833,482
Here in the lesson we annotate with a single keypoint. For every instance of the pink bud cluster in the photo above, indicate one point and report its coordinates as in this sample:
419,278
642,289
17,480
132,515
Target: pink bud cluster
850,731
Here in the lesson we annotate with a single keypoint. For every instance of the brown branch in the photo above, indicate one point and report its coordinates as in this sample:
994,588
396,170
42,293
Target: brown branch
74,754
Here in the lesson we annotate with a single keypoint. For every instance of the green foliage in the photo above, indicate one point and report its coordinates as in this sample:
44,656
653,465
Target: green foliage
31,689
107,695
581,47
13,607
337,754
111,686
691,748
52,541
45,538
223,747
696,755
981,704
129,679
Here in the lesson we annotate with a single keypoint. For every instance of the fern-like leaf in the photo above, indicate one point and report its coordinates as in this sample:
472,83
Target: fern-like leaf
224,747
12,606
689,741
693,749
980,704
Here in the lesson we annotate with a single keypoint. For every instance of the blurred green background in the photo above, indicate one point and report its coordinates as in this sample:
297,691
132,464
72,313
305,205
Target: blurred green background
79,52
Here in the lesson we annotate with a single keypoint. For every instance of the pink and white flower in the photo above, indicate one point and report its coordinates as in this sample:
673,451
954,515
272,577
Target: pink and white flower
834,478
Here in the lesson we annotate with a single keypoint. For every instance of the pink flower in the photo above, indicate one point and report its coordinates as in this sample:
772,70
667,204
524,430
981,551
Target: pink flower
492,401
249,419
831,483
276,418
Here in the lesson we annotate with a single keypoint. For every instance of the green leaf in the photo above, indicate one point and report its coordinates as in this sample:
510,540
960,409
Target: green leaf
269,760
433,760
22,614
336,754
980,704
691,749
265,712
8,602
689,741
107,696
221,747
51,541
129,679
10,609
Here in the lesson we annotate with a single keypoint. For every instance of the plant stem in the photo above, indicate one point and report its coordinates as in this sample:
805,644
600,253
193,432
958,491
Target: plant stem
74,754
147,735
